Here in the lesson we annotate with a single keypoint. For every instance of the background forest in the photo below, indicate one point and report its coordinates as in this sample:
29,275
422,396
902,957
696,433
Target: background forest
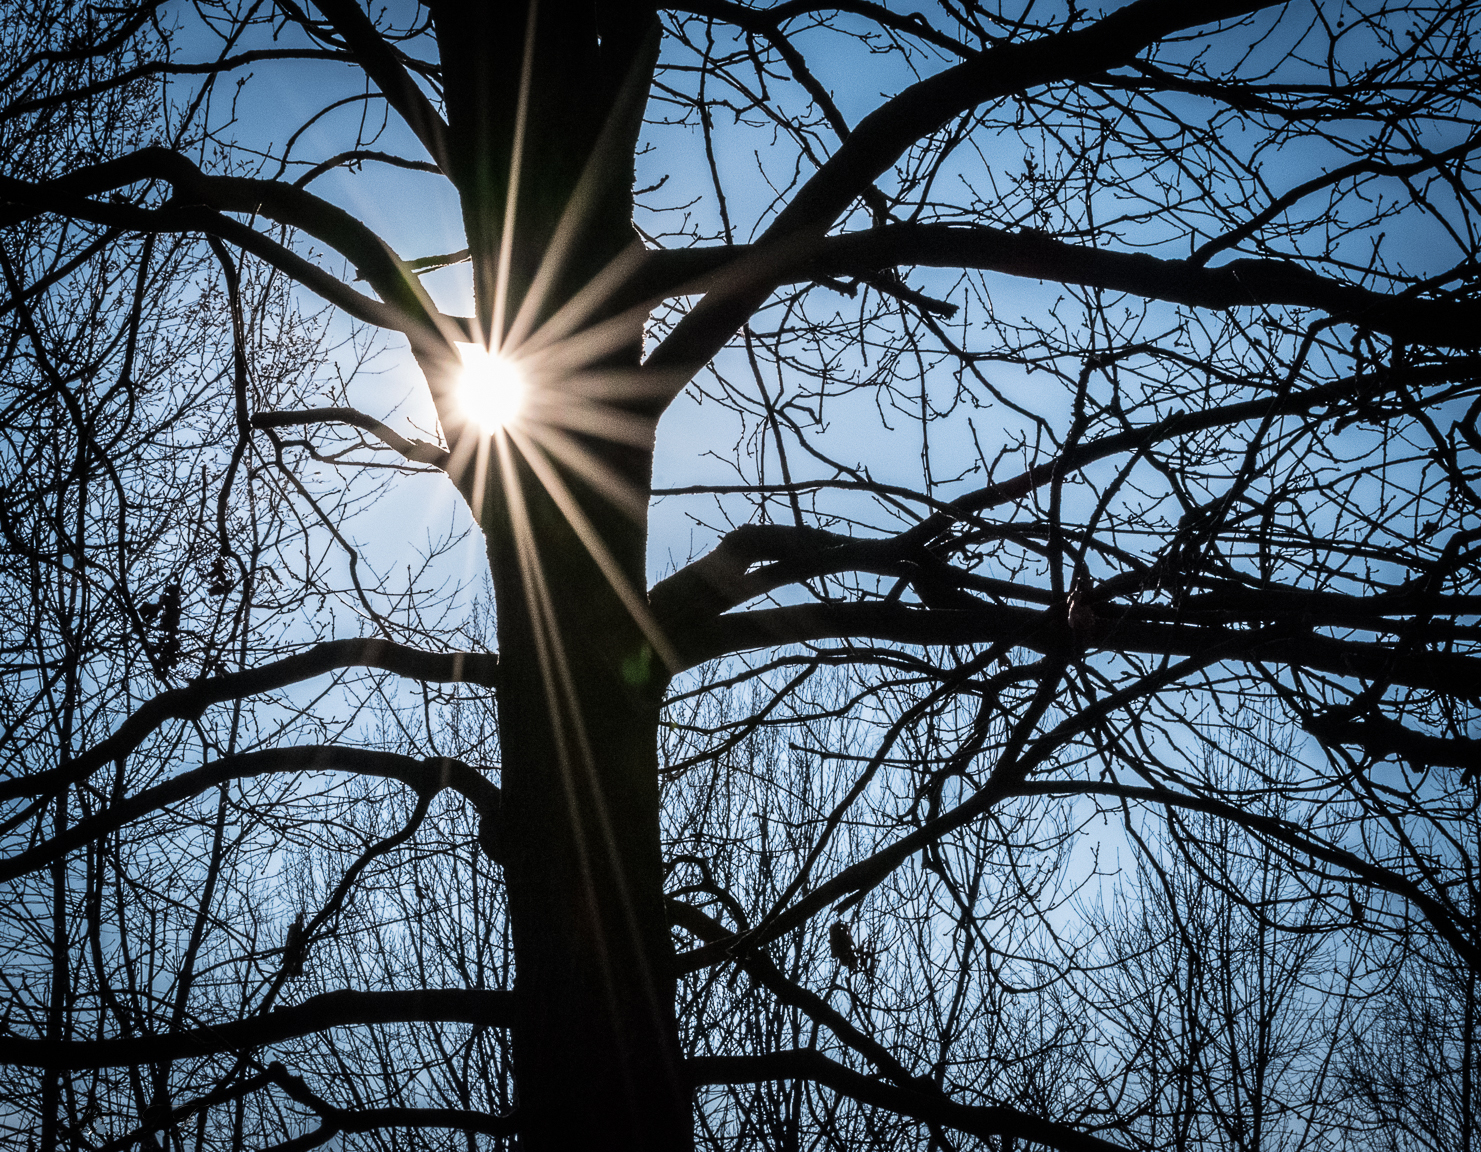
964,636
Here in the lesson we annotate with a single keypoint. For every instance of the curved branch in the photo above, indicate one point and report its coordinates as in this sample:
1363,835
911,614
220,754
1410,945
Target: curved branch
286,204
189,702
316,1014
1444,920
417,451
338,1119
380,64
425,776
755,559
359,156
208,222
878,620
883,136
983,1121
1032,255
1240,283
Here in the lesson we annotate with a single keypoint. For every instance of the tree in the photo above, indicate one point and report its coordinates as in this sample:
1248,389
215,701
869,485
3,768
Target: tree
1187,376
1228,1016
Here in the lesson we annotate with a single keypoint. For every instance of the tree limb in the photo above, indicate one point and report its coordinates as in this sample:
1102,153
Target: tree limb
417,451
1032,255
189,702
316,1014
1240,283
369,1119
878,620
284,203
983,1121
374,55
428,775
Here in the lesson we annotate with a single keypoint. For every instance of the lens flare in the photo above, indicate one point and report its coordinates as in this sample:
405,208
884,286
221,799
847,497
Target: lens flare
491,389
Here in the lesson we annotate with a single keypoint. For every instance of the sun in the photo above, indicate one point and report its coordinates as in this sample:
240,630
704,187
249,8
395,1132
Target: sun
491,390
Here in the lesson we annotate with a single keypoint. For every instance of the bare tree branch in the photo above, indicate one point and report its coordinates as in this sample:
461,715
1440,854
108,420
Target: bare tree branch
316,1014
426,776
189,702
983,1121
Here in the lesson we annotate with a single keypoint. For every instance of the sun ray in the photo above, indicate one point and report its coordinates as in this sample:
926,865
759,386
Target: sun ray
506,238
612,384
602,162
572,316
585,347
480,477
545,632
605,479
601,420
597,547
563,704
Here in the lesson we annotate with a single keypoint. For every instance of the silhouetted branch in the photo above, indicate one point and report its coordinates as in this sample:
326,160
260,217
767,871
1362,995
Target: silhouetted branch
338,1119
316,1014
411,309
983,1121
1245,283
417,451
424,775
1040,631
190,702
375,56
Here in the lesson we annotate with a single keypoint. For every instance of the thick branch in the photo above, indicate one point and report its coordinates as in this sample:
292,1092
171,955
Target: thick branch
380,64
22,200
317,1014
978,1120
769,627
1241,283
429,775
755,559
190,702
1380,737
417,451
883,136
721,579
372,257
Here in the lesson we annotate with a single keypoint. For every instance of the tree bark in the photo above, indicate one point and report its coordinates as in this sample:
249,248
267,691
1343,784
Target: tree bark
597,1060
596,1053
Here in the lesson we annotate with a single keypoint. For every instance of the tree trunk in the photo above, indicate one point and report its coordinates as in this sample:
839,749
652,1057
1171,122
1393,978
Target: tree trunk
597,1060
596,1053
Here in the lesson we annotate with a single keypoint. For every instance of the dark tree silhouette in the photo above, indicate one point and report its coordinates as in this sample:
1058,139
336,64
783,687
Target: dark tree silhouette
1072,414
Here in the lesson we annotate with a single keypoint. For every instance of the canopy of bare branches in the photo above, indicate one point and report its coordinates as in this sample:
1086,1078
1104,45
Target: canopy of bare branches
741,575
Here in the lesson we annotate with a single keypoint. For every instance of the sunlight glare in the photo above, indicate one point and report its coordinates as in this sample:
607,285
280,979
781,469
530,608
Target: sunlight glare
491,389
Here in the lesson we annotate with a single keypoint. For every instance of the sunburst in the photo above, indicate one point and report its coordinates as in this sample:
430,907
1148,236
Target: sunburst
491,388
